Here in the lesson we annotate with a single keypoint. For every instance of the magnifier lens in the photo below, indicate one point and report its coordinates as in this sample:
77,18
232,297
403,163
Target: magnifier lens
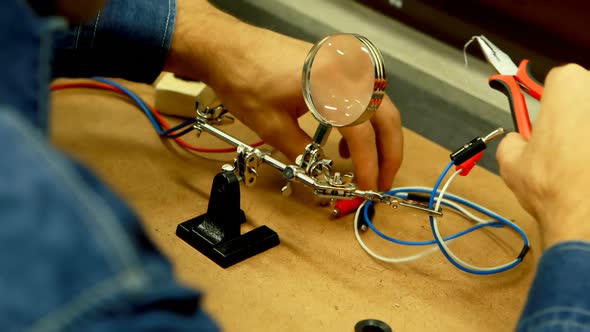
340,80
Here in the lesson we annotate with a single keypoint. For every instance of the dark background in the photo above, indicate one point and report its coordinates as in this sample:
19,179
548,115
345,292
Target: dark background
547,32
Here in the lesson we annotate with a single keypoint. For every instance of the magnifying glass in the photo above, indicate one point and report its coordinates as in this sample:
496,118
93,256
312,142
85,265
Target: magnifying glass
343,82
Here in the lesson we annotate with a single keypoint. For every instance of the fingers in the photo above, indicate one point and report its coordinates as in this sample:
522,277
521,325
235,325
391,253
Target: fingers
388,131
563,74
379,146
509,156
513,170
362,145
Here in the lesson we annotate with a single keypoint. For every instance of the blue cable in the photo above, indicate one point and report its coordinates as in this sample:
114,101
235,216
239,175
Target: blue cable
451,197
136,99
180,126
421,243
444,251
437,240
429,242
145,108
448,195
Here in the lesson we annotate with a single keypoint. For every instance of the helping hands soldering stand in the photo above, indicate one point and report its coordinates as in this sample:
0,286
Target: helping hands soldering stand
216,233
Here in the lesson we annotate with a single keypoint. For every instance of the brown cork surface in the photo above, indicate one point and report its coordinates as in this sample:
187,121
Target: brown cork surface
318,278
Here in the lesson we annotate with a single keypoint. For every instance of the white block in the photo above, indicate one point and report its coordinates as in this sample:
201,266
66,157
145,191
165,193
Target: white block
177,96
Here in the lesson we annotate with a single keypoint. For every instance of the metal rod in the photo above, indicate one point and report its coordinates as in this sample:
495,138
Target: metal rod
305,178
493,135
273,162
433,213
321,134
220,134
236,142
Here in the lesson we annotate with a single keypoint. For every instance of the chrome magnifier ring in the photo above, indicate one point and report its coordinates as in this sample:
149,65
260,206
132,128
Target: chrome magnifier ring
343,80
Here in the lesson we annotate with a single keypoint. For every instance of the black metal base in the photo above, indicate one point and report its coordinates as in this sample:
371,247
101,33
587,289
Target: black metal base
216,234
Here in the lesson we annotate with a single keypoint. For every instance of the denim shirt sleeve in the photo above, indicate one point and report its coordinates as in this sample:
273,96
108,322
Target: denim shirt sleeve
128,39
559,299
74,256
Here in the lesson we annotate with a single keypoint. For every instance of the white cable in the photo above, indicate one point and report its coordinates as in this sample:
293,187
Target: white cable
463,211
454,204
430,250
443,242
419,255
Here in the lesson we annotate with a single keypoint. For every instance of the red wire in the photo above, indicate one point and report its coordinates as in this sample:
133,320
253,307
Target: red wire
178,140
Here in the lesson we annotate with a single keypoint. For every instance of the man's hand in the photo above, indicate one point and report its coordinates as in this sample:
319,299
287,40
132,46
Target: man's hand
257,75
549,174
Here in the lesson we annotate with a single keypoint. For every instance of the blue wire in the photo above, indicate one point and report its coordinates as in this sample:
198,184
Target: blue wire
438,182
415,243
444,251
136,99
449,196
175,128
182,133
500,223
144,107
422,243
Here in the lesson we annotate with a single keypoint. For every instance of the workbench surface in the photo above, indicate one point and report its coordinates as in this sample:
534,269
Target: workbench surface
318,278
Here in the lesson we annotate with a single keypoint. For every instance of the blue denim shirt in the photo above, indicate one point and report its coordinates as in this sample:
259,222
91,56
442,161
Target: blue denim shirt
559,299
73,255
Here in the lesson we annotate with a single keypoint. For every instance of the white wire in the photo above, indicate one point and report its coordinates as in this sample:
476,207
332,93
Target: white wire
419,255
443,242
464,211
456,206
450,202
430,250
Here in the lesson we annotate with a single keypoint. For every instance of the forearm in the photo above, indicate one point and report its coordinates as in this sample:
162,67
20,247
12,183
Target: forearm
564,218
218,49
203,37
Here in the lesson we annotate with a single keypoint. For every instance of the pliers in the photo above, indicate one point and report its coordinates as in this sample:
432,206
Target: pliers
512,80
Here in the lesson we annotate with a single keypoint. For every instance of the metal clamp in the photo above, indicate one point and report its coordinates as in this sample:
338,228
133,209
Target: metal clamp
217,115
394,202
312,170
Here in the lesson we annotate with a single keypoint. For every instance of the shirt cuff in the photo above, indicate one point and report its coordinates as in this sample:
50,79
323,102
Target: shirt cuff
558,299
128,39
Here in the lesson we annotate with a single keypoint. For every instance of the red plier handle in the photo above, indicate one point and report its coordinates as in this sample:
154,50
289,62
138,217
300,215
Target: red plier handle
512,86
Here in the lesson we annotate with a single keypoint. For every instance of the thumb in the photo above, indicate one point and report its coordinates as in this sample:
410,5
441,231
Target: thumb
509,155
